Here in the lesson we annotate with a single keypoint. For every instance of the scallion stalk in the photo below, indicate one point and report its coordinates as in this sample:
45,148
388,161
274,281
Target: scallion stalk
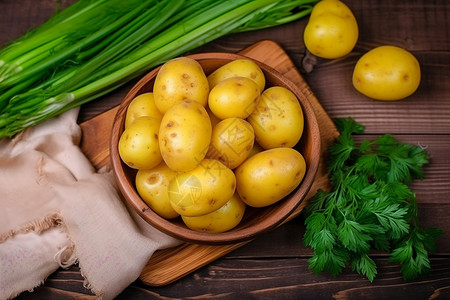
37,84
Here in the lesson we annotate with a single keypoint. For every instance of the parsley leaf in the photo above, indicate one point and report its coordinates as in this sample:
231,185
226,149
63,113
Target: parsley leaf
363,264
369,207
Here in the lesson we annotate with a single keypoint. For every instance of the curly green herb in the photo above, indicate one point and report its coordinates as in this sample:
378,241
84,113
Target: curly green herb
369,207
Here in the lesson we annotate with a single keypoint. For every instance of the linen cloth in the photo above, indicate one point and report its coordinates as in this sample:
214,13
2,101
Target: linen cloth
57,210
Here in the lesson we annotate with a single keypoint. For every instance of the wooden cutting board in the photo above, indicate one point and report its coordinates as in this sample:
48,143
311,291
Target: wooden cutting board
168,265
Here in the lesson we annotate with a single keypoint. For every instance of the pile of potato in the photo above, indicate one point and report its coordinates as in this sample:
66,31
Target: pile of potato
207,146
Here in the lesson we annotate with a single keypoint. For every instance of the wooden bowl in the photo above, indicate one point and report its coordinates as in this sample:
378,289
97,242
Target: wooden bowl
256,220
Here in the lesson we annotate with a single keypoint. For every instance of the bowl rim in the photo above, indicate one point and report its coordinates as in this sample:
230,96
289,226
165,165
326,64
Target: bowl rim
232,236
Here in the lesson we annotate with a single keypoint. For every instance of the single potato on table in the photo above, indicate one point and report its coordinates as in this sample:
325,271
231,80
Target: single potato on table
332,30
387,73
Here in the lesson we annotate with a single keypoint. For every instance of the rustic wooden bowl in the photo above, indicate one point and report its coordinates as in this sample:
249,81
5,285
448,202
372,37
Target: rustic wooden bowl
256,220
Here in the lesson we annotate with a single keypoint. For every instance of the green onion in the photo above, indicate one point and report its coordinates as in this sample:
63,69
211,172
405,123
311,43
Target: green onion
93,47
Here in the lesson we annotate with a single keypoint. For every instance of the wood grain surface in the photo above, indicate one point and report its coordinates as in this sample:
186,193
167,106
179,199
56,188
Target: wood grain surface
275,266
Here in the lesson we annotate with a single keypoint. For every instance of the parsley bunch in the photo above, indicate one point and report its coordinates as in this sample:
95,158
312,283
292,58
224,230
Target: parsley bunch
369,207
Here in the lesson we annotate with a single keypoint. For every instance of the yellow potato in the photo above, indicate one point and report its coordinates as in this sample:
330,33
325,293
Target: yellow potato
277,119
231,141
184,135
269,176
238,68
203,190
332,30
152,186
387,73
223,219
233,97
142,105
139,145
178,79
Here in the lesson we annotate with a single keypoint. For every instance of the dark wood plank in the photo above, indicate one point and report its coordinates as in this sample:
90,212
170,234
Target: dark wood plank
276,278
290,279
416,25
23,15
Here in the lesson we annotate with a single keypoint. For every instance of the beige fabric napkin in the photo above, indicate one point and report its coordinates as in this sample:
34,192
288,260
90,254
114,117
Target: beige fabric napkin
56,210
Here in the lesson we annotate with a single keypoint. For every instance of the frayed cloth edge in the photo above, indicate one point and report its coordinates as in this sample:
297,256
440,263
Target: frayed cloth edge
37,226
38,284
86,284
53,220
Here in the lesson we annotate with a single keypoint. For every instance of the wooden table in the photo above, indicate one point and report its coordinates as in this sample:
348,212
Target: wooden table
275,265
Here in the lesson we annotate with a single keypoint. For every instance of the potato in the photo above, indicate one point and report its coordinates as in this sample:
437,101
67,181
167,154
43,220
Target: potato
277,119
184,135
152,186
231,141
203,190
223,219
387,73
233,97
332,30
269,176
139,144
142,105
178,79
238,68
